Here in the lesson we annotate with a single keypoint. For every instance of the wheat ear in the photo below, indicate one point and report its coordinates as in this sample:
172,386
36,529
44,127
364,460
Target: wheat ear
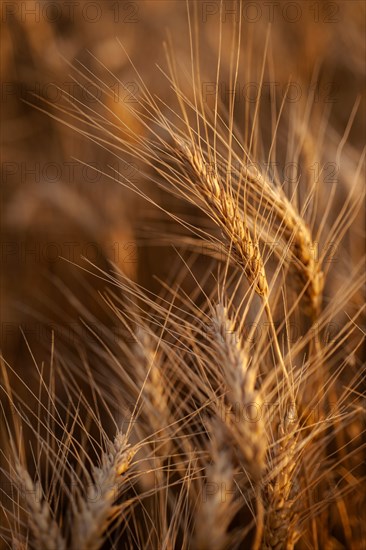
227,214
98,509
308,269
249,427
297,235
280,525
154,390
45,530
218,507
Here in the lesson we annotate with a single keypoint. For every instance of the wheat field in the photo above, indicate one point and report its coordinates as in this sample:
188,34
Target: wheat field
183,275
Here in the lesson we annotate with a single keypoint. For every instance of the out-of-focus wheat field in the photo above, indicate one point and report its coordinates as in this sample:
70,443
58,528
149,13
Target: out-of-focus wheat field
67,221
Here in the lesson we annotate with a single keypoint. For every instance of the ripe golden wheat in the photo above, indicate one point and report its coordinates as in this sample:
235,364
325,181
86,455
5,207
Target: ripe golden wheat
205,424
